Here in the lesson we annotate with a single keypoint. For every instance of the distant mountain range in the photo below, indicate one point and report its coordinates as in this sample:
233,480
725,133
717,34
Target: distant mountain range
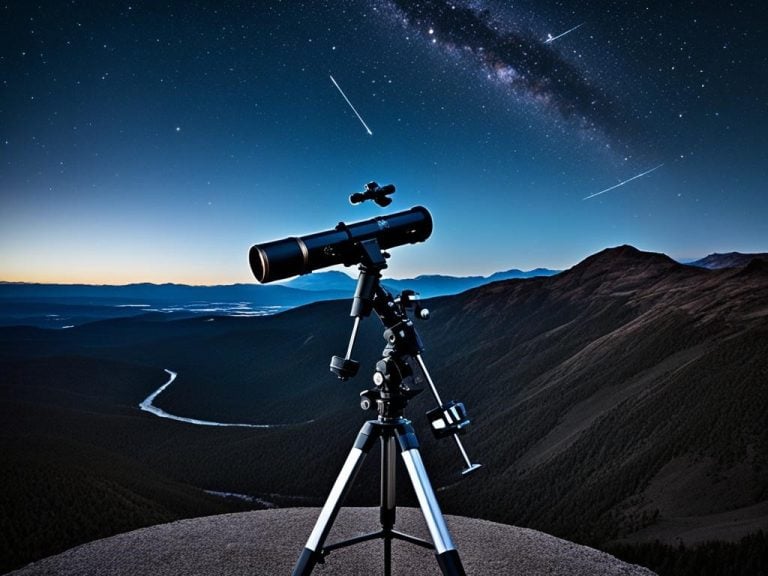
728,260
323,285
65,305
427,286
619,403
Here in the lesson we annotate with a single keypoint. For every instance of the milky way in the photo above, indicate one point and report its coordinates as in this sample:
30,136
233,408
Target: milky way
530,67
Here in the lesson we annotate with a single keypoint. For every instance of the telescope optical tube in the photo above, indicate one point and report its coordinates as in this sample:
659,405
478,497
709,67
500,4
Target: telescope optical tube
293,256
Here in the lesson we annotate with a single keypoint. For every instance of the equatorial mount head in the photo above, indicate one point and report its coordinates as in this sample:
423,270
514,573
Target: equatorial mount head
373,191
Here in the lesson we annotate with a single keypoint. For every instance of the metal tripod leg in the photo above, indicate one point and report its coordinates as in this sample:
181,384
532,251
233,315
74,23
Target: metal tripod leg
447,556
311,554
388,492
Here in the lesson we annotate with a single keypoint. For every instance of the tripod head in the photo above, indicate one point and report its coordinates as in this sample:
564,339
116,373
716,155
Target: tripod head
397,373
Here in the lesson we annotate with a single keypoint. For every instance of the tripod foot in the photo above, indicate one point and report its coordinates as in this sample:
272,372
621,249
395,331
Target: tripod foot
306,562
450,563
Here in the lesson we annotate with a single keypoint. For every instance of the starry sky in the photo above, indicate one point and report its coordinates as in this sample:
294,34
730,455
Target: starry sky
156,141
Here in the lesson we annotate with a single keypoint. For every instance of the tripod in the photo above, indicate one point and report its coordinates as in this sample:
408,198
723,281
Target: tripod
393,376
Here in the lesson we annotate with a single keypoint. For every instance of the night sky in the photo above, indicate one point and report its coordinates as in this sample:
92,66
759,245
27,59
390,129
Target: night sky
156,141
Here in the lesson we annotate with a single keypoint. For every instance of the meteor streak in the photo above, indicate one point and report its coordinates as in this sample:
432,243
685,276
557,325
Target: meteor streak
622,183
350,105
551,39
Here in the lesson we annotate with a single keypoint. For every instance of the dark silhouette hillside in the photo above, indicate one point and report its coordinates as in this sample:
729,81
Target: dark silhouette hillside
633,394
618,403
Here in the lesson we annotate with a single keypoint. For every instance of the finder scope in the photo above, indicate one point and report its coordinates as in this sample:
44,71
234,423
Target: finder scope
341,245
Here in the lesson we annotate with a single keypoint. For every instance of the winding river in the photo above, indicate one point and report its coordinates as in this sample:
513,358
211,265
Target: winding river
147,406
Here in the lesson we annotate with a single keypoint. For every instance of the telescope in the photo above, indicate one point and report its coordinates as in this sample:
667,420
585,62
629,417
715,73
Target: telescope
399,375
292,256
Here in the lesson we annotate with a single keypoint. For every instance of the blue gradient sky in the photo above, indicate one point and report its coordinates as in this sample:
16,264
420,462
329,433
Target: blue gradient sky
156,142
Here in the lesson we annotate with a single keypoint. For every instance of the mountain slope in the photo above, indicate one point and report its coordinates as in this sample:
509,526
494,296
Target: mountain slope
602,386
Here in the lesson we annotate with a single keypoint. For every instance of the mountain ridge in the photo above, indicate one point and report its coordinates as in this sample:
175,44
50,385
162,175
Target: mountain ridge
648,302
717,260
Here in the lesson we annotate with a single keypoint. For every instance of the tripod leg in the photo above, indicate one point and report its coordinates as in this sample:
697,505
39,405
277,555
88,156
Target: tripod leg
447,556
388,510
312,553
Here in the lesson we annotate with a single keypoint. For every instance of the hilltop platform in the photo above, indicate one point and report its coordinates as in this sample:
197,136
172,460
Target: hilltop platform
268,542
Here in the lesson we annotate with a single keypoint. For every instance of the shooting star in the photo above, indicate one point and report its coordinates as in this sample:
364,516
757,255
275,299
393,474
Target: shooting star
551,39
622,183
350,105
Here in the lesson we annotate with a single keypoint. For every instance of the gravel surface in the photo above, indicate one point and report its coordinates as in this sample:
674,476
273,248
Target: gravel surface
268,542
